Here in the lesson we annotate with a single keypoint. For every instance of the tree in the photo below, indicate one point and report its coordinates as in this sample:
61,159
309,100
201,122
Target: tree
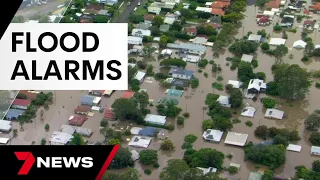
176,26
207,124
272,88
279,139
207,157
47,127
18,19
163,41
265,46
267,175
261,132
123,108
243,47
130,174
148,50
142,99
268,102
245,72
155,31
176,169
157,21
312,123
194,83
113,141
173,62
316,166
293,76
80,3
308,50
77,140
122,159
148,157
269,155
233,17
167,145
261,75
235,98
280,52
315,138
136,18
101,19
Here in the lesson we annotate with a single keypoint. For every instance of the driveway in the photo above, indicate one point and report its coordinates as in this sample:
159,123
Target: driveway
124,17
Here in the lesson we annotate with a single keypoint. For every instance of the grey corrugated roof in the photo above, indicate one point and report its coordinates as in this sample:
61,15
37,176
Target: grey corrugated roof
181,71
188,46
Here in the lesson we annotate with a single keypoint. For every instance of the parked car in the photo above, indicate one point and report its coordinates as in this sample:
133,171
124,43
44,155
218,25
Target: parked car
135,8
139,3
128,3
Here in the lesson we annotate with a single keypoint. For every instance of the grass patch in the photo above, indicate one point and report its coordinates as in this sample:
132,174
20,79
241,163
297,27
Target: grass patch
218,86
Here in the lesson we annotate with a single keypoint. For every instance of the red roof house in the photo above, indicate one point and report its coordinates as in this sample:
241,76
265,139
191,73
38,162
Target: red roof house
315,8
127,94
30,95
83,109
217,11
264,21
308,22
274,4
220,5
109,114
306,12
21,103
77,120
192,31
148,17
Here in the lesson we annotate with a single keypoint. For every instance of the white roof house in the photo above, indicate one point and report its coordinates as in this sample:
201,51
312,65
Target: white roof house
155,119
247,58
134,40
140,76
224,101
274,114
268,13
254,38
5,125
4,140
277,41
257,84
204,9
212,135
315,150
236,139
60,138
79,130
140,142
248,112
140,32
293,147
191,58
166,52
299,44
207,170
169,20
235,84
96,100
135,130
155,10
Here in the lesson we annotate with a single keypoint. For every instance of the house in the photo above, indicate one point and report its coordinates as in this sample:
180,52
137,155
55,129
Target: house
269,14
255,176
165,52
13,114
171,1
190,58
207,170
164,27
140,142
179,82
108,114
127,94
274,114
167,6
148,18
217,11
143,25
263,20
277,41
155,119
235,84
273,4
21,104
170,19
181,73
255,38
224,101
212,135
248,112
134,155
90,100
220,4
83,131
256,86
168,100
315,8
247,58
32,95
191,31
204,9
4,140
293,147
93,8
315,150
60,138
148,131
77,120
174,92
308,25
236,139
199,41
140,76
103,12
5,126
188,48
83,109
155,10
140,32
287,21
299,44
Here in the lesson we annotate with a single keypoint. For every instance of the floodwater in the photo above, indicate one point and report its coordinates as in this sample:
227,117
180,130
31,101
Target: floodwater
192,101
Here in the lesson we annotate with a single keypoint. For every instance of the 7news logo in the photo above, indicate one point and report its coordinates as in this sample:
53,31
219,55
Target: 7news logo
51,162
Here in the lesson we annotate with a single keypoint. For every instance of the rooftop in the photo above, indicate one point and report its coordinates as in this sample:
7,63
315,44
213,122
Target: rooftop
138,141
212,135
21,102
237,139
127,94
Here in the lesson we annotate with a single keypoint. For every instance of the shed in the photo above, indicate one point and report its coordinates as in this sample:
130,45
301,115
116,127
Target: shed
135,155
224,101
87,100
247,58
5,126
255,176
127,94
21,104
212,135
277,41
140,76
148,131
77,120
208,170
255,38
315,150
235,84
174,92
236,139
274,113
299,44
60,138
293,147
4,140
155,119
13,114
248,112
140,142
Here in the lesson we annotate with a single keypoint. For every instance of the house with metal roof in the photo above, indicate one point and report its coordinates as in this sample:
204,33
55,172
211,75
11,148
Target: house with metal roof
256,85
140,32
255,38
5,126
140,142
144,26
155,119
274,114
181,73
237,139
247,58
60,138
148,131
248,111
83,131
188,48
133,40
90,100
255,176
235,84
21,104
164,27
140,76
13,114
315,150
224,101
174,92
212,135
207,170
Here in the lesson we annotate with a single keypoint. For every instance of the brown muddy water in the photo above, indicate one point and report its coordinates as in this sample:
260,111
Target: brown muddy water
192,101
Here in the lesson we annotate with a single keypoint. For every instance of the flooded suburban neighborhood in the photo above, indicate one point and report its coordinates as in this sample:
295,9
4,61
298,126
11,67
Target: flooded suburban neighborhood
217,90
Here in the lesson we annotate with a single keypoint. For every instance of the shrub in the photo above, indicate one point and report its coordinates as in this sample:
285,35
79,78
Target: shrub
268,102
232,170
249,123
43,141
218,86
219,78
148,157
190,138
186,115
207,124
127,132
103,123
132,60
199,70
265,46
229,156
235,121
186,145
261,75
180,120
211,62
194,83
262,132
277,27
205,74
317,84
147,171
170,127
47,127
315,138
255,63
141,65
304,59
156,165
203,63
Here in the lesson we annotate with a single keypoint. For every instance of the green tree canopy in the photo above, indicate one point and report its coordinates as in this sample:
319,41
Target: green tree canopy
124,108
130,174
312,123
77,140
148,157
122,159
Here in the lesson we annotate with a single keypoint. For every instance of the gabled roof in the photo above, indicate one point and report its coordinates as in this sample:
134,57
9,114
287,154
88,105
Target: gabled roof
274,4
14,113
257,84
108,113
86,99
77,120
217,11
127,94
181,71
83,108
315,7
219,4
148,17
21,102
191,30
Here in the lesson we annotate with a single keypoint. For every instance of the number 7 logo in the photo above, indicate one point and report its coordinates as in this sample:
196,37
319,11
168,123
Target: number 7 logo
28,159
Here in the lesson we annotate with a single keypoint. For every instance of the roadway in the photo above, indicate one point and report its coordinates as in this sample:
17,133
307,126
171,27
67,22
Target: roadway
124,17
